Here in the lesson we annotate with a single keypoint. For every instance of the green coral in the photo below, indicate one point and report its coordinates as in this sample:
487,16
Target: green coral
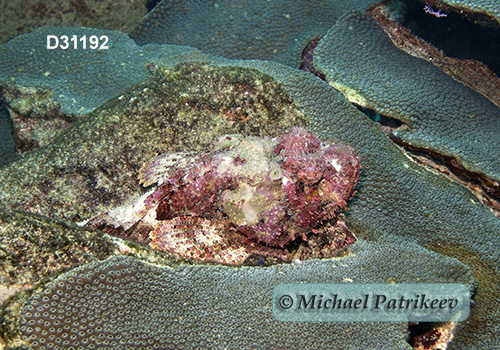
230,299
371,71
275,30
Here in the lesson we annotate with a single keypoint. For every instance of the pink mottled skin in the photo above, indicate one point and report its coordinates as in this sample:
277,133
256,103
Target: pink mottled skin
249,198
315,187
316,180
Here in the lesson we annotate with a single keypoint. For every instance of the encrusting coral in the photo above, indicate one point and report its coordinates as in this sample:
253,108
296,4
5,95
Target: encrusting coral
469,140
125,303
267,30
396,197
250,196
47,91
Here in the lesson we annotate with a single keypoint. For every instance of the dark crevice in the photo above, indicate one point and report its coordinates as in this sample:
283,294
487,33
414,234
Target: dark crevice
392,123
449,166
458,34
307,59
486,190
151,4
8,151
423,335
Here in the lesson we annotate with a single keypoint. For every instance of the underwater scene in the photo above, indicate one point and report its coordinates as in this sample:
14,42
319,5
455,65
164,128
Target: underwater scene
250,174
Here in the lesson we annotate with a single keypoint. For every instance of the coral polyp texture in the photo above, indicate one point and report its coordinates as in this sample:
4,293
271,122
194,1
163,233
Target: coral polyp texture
250,196
46,91
268,30
125,303
484,7
422,97
399,212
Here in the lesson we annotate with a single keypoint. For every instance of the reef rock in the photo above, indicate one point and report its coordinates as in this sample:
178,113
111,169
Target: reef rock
34,247
94,166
